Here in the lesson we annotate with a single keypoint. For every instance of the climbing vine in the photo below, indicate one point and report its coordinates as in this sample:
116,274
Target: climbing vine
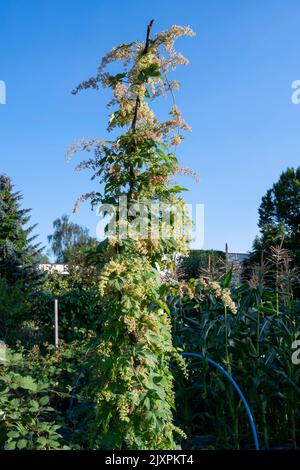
133,383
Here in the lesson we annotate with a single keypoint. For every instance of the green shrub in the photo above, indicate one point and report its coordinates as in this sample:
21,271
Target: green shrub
79,311
14,309
38,408
198,262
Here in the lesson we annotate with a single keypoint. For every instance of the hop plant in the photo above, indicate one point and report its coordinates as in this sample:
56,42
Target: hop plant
133,384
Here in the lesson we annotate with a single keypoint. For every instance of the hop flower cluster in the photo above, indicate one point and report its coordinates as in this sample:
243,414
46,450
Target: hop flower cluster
130,324
186,289
181,363
183,170
123,408
176,140
123,52
112,267
180,432
120,91
84,145
221,294
167,38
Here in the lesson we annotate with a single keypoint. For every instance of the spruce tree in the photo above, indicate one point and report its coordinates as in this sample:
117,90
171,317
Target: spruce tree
19,254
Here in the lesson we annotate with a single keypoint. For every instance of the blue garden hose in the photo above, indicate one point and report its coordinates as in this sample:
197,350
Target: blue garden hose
251,420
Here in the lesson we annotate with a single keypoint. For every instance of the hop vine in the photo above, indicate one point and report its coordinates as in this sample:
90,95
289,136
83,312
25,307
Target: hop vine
133,382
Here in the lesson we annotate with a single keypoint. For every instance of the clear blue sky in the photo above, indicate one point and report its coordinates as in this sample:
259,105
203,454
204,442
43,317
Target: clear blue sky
236,94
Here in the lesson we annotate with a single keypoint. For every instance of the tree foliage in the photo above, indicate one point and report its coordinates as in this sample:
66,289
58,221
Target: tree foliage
14,308
200,261
19,254
279,217
67,239
281,204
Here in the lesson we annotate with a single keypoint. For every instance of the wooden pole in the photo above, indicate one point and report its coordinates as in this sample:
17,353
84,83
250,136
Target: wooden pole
56,321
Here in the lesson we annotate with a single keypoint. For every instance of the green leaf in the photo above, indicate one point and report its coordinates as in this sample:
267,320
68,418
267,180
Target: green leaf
227,279
44,401
22,443
27,383
177,189
13,434
10,445
151,71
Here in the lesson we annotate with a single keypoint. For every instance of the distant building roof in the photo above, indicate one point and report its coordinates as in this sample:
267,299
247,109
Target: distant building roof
240,257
